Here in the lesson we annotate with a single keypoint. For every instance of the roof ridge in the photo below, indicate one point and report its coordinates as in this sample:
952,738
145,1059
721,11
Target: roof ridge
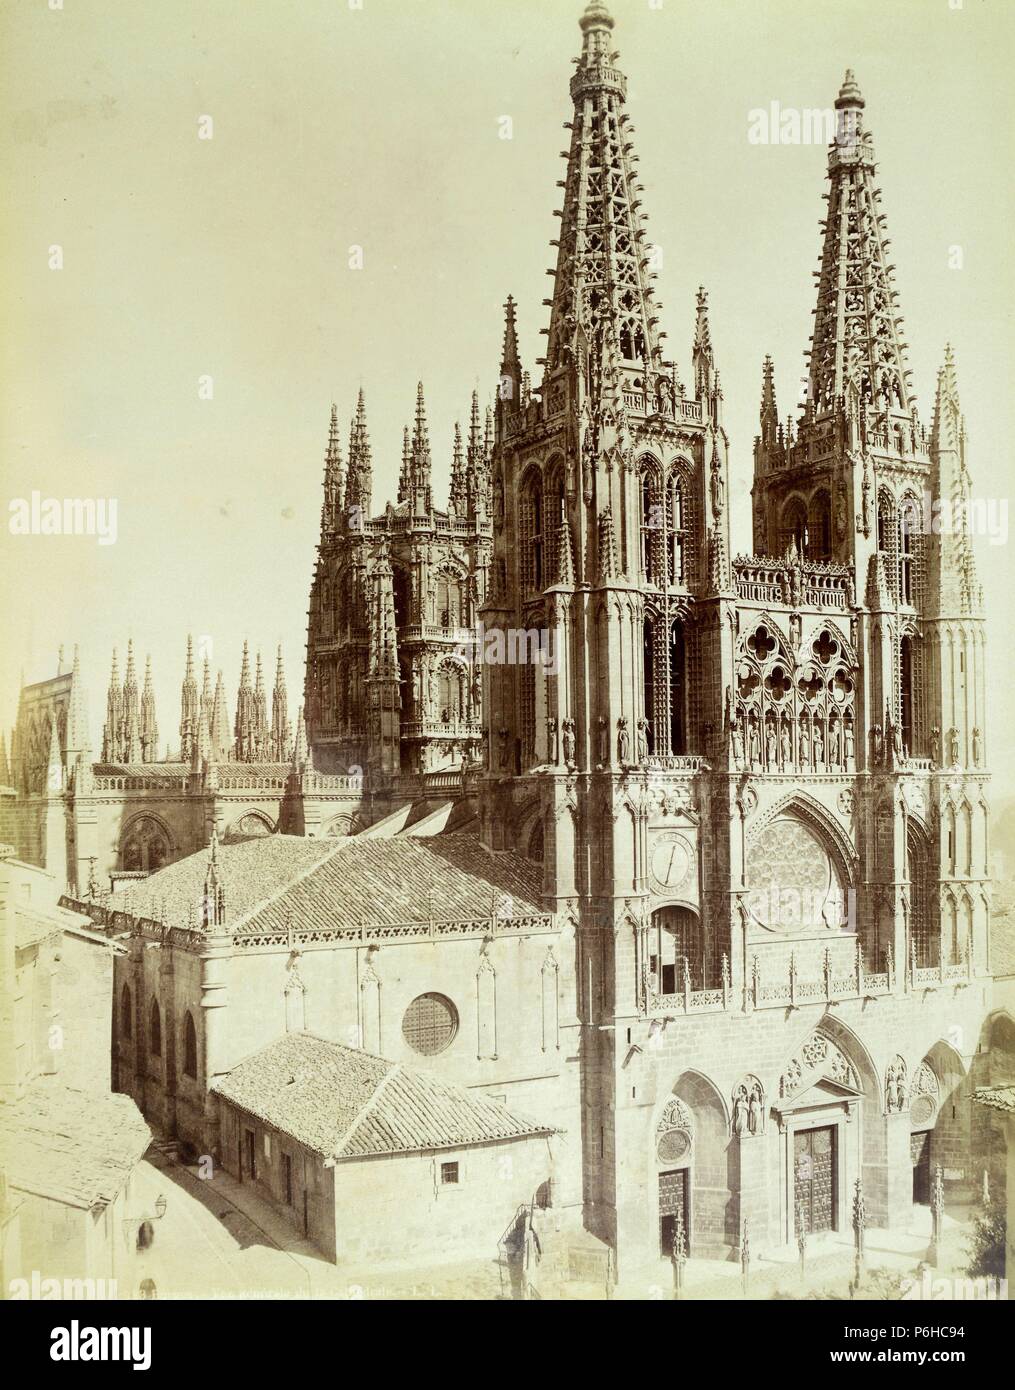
367,1107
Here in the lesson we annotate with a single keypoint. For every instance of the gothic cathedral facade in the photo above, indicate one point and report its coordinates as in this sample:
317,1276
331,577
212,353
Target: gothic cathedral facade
757,783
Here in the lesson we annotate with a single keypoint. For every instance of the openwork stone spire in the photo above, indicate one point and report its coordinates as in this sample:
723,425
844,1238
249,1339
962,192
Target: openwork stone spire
856,331
601,283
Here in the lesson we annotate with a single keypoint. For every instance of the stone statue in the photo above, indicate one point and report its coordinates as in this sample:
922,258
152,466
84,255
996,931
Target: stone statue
740,1111
756,1115
551,738
849,742
786,743
771,745
805,747
819,746
738,742
502,739
935,745
569,742
642,740
623,740
834,743
604,741
877,745
953,747
977,747
754,742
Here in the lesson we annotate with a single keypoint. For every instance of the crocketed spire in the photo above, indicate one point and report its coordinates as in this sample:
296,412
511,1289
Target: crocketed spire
857,340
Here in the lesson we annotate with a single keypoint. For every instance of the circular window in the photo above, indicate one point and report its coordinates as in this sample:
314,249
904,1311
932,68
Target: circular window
922,1110
430,1024
673,1145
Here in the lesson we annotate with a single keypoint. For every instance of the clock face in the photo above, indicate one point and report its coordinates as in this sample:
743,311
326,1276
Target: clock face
670,863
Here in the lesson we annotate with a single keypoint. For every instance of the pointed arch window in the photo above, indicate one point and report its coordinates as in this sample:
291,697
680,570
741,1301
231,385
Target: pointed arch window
924,934
155,1029
906,664
531,538
675,945
910,552
819,527
450,693
677,532
678,689
650,519
793,527
189,1046
126,1014
888,539
449,601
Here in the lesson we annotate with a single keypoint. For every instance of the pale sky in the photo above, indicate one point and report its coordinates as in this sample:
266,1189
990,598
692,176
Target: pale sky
379,127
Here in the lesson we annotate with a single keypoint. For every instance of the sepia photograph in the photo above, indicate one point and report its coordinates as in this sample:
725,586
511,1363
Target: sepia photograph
505,766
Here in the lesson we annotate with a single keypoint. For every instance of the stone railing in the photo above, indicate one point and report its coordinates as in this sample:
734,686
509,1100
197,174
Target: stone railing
441,728
807,583
676,762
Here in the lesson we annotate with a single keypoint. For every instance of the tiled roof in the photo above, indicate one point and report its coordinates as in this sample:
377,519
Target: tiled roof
348,882
252,870
344,1103
78,1147
996,1097
34,923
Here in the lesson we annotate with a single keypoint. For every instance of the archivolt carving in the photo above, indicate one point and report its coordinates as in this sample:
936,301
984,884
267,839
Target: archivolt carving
818,1057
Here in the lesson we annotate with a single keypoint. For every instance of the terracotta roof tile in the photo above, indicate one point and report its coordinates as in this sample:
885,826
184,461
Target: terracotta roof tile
344,1103
78,1147
349,882
996,1097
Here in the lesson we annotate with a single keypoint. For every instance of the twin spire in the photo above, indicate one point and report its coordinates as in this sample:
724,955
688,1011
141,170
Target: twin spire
857,344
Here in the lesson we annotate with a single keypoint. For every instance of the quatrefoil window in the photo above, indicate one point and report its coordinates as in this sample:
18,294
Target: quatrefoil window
762,643
811,686
748,683
841,687
825,647
778,684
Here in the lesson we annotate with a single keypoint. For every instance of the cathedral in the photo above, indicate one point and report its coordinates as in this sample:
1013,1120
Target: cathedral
686,901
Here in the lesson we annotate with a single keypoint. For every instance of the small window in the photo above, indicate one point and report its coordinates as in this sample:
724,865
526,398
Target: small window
189,1046
155,1030
449,1174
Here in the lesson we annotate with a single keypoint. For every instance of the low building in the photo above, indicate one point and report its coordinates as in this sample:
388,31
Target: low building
67,1152
375,1161
1000,1100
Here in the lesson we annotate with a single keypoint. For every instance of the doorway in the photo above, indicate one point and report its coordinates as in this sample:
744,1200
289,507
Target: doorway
919,1153
814,1179
673,1199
